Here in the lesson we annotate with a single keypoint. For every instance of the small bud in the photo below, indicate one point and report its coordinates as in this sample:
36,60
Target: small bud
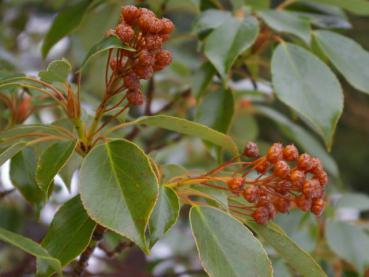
303,203
262,166
251,194
131,81
317,206
251,150
304,162
261,215
236,184
130,14
135,97
282,186
153,42
282,205
125,32
290,153
297,177
275,153
281,169
168,26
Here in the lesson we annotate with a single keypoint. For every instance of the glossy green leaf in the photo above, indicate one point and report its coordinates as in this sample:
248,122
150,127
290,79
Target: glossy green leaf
64,23
287,22
22,175
119,188
359,7
349,58
358,201
216,110
308,86
52,160
67,171
303,138
165,214
111,42
69,234
202,78
191,128
296,257
239,35
225,246
31,248
57,71
11,151
349,242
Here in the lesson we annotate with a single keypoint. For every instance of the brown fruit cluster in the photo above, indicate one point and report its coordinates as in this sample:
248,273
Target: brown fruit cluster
140,29
285,179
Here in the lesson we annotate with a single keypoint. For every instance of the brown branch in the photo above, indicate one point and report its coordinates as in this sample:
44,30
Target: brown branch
82,263
149,96
5,193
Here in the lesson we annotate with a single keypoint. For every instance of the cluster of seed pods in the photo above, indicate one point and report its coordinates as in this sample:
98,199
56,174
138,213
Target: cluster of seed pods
141,30
284,179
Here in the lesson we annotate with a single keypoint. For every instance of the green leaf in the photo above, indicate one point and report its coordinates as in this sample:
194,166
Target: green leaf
11,151
359,7
52,160
354,200
22,175
349,58
303,138
211,19
57,71
202,78
258,4
32,131
64,23
216,110
187,127
119,188
225,246
165,214
220,197
111,42
69,234
287,22
296,257
349,242
308,86
239,35
31,248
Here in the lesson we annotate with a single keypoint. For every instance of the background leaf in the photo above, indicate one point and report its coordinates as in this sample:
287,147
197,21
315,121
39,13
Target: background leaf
216,110
349,58
226,247
309,87
121,194
202,78
69,234
191,128
32,248
22,174
57,71
52,160
165,214
64,23
359,7
284,21
295,256
239,34
111,42
349,242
